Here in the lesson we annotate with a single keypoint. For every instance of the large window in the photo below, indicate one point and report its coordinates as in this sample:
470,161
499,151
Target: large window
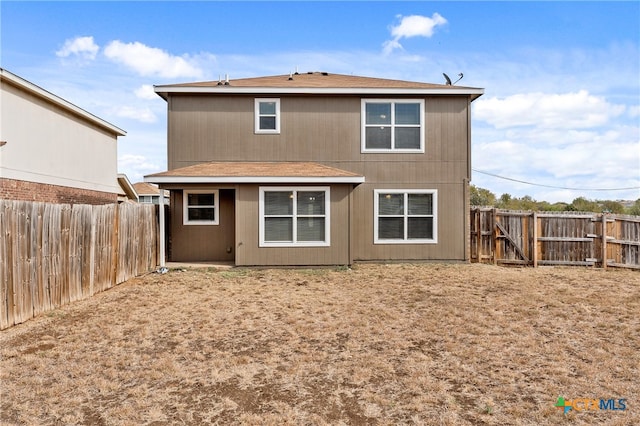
392,125
200,207
267,115
405,216
294,216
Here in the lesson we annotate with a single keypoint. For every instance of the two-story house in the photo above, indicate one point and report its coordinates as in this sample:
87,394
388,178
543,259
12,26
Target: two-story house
53,151
317,169
149,194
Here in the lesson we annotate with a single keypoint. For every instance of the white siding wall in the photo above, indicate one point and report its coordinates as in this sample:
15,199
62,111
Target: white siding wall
48,144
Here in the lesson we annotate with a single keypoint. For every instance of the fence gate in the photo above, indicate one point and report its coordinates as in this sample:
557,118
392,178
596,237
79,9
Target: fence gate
554,238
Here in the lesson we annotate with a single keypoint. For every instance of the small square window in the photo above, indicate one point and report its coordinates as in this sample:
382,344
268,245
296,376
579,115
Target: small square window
200,207
267,115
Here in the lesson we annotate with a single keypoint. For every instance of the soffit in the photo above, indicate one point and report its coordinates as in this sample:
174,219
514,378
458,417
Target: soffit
256,172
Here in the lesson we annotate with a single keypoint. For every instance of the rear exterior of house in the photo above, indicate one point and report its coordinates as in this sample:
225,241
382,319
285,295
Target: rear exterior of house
316,169
148,193
53,151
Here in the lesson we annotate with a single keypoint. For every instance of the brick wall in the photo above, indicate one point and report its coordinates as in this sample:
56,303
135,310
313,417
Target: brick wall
11,189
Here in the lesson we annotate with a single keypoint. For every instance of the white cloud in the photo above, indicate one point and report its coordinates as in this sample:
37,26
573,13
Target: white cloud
574,128
83,47
568,110
144,115
137,166
412,26
140,162
151,61
146,92
598,158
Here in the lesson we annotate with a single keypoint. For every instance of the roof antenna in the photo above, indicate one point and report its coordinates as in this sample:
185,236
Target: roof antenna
448,80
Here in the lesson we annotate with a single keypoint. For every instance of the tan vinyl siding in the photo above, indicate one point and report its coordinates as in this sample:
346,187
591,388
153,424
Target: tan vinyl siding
222,129
312,129
326,130
451,243
247,221
196,243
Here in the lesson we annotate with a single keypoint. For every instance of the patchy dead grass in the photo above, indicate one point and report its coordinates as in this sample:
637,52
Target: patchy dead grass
378,344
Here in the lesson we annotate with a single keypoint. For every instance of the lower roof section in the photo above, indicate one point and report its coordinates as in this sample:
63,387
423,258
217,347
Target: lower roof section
256,172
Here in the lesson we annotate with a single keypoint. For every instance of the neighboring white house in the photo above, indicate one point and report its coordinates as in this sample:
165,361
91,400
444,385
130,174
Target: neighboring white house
149,193
52,150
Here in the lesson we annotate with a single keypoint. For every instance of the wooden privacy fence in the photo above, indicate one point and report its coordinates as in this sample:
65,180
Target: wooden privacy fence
554,238
53,254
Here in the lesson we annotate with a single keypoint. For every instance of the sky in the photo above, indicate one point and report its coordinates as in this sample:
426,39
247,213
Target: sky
559,119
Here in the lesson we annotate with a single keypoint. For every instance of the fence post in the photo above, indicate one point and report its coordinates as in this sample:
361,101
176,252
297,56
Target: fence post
494,236
478,226
161,261
604,240
115,247
534,255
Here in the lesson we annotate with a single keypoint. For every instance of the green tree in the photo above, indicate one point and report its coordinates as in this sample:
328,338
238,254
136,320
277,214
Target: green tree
481,196
581,204
558,207
505,202
635,208
527,203
611,206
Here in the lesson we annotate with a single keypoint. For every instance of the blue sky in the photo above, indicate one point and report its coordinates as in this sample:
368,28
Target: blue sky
561,107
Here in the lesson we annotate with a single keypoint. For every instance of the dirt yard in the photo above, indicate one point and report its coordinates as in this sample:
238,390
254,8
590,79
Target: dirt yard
376,344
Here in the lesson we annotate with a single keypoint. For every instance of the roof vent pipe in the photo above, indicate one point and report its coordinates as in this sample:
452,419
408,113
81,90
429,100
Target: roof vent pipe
219,80
226,80
290,76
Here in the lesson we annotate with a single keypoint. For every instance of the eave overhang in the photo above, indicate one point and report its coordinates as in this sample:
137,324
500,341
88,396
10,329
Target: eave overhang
165,91
256,173
251,179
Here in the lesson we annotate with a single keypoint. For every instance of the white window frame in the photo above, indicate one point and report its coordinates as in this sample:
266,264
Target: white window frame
257,115
295,190
405,240
363,132
215,206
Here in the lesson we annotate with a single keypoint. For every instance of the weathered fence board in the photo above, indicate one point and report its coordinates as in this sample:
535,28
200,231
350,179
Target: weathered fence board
554,238
53,254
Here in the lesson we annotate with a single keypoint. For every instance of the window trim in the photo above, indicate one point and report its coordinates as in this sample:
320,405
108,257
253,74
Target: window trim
257,116
295,190
185,207
363,125
376,195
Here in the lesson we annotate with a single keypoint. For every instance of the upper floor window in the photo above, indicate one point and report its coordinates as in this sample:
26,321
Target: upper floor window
292,217
267,115
405,216
392,125
200,207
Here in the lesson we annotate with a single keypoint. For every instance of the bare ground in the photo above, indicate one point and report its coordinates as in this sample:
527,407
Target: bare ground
376,344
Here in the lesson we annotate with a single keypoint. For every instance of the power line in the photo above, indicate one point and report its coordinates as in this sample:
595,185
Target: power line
555,187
